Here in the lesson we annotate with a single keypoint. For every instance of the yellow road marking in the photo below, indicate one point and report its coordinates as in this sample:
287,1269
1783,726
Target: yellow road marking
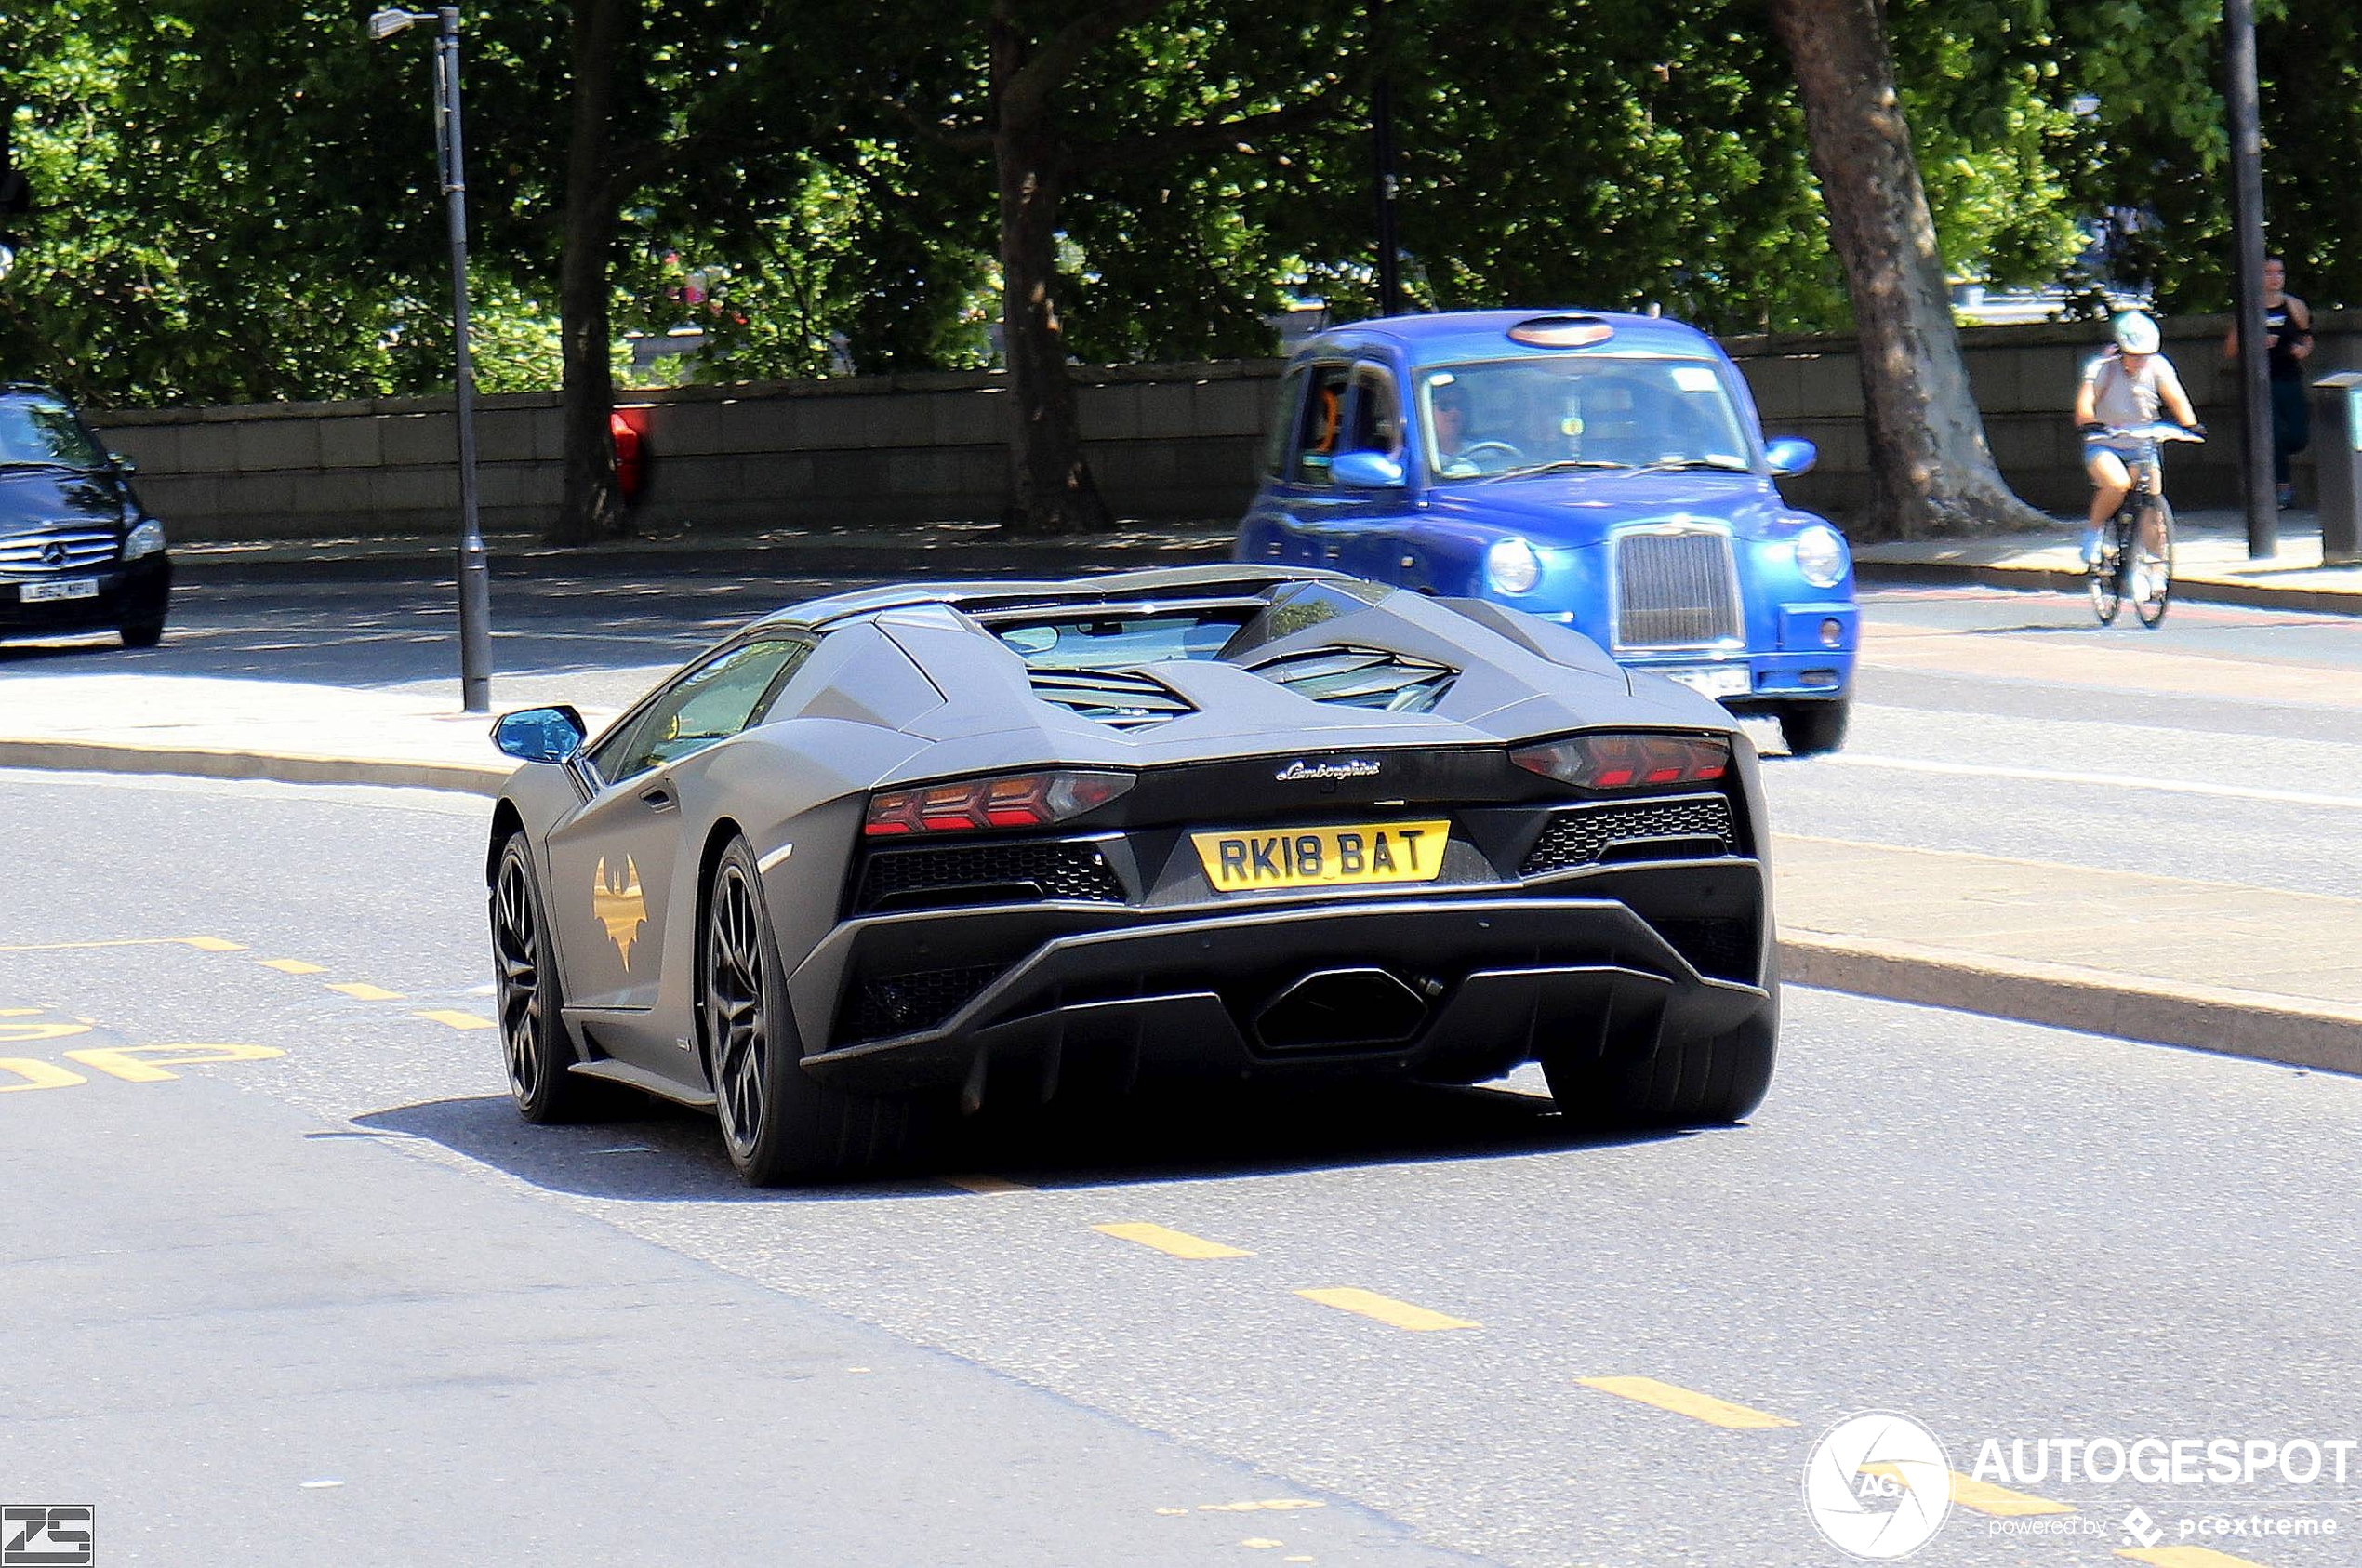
1261,1543
1179,1243
456,1019
1273,1505
1982,1496
38,1075
203,944
292,966
2184,1556
1385,1309
138,1064
23,1034
361,990
19,1012
987,1185
1687,1402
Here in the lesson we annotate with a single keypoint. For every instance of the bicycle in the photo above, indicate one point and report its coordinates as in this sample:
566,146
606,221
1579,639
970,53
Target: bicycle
2123,571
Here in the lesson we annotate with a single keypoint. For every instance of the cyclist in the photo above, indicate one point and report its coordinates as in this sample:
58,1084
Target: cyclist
2125,388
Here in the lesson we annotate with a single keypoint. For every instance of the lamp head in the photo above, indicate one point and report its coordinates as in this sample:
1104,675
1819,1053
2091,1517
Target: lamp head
392,19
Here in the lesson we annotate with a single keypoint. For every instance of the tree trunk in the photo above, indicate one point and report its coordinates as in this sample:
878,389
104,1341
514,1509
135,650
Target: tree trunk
591,507
1930,470
1050,490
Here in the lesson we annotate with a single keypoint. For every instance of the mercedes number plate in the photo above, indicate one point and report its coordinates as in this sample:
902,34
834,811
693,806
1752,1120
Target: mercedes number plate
41,592
1714,680
1244,862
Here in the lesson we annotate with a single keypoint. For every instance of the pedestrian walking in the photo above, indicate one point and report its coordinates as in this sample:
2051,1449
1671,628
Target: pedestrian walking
2288,342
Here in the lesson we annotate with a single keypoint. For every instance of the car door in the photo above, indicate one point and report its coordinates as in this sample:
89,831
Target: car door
1309,502
613,867
1373,529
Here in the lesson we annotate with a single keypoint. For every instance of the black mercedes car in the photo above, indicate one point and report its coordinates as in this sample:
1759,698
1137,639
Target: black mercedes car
77,552
982,841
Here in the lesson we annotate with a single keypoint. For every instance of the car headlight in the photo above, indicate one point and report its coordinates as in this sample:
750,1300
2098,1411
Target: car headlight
1821,555
1511,566
145,539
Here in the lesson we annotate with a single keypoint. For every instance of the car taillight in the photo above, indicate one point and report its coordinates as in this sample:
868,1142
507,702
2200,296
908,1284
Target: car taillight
1020,800
1628,762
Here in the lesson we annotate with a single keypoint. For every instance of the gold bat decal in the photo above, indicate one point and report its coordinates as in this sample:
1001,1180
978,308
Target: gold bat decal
620,909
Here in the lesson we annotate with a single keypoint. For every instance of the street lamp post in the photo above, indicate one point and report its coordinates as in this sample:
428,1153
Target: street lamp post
475,578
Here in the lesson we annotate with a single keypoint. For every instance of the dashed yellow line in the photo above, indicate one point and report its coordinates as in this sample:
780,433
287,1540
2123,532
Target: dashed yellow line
203,944
1177,1243
1385,1309
1982,1496
292,966
987,1185
34,1074
1687,1402
2184,1556
361,990
455,1018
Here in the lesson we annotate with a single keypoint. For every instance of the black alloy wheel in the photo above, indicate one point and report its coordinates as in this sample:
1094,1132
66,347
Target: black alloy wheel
533,1038
778,1123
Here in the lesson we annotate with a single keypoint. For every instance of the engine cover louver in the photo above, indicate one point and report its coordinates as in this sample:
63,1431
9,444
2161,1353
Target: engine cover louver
1120,699
1349,677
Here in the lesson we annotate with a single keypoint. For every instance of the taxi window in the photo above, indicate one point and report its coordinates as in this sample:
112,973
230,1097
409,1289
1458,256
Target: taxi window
1377,422
1282,443
713,702
1319,424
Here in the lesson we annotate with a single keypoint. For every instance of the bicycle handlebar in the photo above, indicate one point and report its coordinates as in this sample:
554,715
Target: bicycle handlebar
2161,430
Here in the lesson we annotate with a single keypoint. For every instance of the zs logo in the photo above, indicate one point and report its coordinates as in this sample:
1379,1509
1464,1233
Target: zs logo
53,1537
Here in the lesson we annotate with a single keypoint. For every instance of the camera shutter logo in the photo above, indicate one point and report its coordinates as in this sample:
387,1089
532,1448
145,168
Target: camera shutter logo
1878,1485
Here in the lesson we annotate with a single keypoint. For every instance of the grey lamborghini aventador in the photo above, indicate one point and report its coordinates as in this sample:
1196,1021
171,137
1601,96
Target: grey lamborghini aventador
959,843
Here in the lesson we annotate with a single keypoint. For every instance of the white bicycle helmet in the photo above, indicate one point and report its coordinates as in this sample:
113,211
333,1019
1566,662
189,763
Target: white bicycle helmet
2136,333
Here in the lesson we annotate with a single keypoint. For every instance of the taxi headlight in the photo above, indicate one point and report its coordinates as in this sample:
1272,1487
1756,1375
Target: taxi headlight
1821,555
145,539
1511,566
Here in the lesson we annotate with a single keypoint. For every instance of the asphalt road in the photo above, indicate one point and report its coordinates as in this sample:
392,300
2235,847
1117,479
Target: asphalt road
336,1303
348,1263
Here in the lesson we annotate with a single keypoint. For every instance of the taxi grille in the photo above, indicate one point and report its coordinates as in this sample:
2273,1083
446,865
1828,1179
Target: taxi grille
936,877
1675,590
58,550
1685,828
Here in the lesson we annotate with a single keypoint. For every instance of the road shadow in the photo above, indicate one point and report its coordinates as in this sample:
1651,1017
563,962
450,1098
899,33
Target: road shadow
658,1152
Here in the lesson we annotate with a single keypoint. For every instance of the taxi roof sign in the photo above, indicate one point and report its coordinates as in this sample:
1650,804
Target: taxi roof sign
1561,332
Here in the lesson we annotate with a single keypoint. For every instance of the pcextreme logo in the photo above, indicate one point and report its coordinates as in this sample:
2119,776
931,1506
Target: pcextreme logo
620,906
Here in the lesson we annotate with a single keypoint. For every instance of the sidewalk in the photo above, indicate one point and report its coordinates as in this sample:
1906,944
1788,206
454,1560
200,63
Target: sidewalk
2243,971
2210,563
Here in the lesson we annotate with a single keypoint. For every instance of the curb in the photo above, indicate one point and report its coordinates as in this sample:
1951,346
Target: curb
285,767
2045,580
739,561
2254,1025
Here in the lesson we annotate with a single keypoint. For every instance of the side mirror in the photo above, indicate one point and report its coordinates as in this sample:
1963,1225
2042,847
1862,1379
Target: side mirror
121,464
1366,470
540,735
1791,454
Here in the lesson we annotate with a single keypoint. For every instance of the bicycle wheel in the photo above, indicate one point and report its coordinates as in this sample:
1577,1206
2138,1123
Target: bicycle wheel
2106,575
2157,590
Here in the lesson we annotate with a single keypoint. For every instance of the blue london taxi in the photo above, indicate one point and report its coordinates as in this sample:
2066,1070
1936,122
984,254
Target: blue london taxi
1604,471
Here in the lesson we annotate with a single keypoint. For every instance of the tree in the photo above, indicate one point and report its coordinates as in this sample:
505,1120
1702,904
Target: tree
1930,470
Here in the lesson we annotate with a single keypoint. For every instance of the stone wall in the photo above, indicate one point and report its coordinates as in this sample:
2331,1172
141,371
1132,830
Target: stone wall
1166,442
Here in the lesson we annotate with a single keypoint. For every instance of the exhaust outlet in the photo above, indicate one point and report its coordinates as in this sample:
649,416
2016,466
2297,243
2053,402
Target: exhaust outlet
1333,1008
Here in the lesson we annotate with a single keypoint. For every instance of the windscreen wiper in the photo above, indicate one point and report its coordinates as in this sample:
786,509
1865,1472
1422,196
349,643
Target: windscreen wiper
1561,466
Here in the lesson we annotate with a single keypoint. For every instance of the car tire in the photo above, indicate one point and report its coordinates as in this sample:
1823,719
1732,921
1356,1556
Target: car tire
534,1046
1814,729
143,633
778,1123
1677,1082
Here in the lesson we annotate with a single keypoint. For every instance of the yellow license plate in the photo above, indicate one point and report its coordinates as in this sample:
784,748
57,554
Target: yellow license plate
1239,862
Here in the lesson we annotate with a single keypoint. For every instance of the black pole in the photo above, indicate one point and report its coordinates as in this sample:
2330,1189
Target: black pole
2240,98
475,578
1390,250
